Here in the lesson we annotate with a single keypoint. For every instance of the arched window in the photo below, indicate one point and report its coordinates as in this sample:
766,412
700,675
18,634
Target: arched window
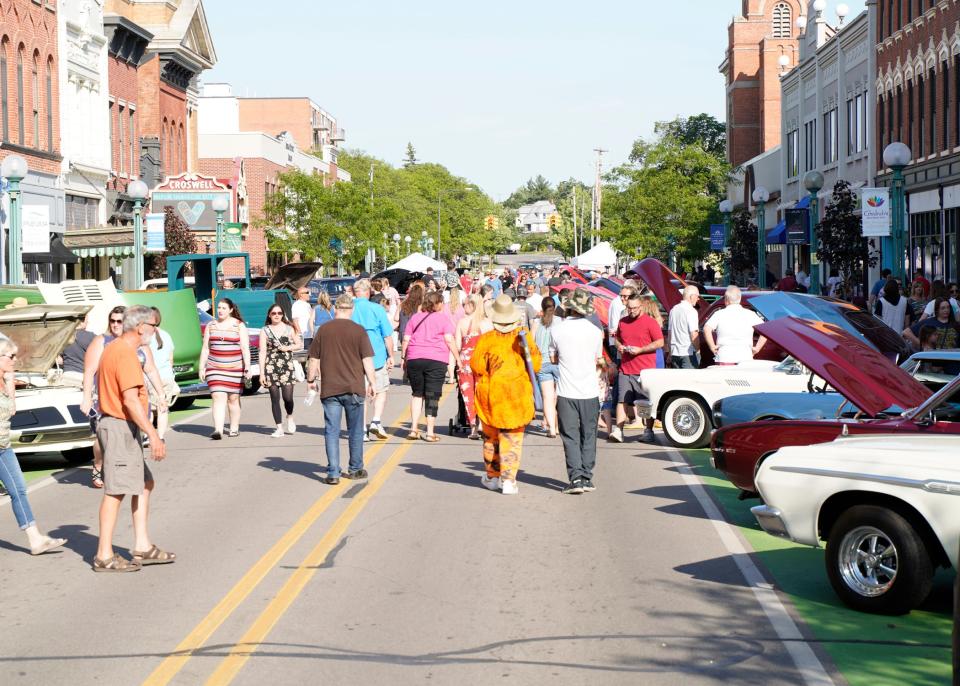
4,97
49,104
21,119
35,93
782,21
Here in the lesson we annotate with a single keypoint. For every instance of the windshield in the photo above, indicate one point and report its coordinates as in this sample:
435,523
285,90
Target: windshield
789,366
946,400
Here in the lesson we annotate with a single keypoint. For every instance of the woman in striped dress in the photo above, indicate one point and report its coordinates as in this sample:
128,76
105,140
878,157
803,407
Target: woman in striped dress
225,364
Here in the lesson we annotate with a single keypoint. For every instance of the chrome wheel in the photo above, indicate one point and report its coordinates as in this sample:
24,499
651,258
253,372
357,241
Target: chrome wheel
868,561
685,422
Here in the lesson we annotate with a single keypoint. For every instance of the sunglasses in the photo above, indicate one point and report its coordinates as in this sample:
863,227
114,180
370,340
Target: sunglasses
276,314
116,321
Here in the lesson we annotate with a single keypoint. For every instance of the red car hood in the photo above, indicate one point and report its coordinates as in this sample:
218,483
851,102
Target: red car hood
660,280
862,375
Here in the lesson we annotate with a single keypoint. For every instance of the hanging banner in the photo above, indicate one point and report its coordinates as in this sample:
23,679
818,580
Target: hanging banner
232,234
798,225
717,233
875,211
191,197
35,234
156,240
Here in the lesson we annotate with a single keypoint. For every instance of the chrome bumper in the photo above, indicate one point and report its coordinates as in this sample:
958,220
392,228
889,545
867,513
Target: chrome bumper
194,391
770,520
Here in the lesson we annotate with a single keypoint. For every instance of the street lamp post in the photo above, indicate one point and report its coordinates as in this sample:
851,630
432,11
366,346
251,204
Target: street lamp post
726,208
407,239
422,243
813,182
396,242
760,197
896,156
137,190
220,204
430,245
14,169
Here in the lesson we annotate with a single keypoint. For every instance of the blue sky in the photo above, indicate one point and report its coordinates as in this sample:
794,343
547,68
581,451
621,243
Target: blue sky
497,91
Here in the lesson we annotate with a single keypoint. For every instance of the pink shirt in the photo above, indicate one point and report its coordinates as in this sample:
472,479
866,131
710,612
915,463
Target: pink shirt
426,331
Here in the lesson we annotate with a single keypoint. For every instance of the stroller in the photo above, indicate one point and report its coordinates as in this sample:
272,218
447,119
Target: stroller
460,424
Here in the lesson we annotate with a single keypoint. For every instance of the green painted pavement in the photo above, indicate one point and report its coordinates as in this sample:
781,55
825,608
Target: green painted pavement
41,465
867,649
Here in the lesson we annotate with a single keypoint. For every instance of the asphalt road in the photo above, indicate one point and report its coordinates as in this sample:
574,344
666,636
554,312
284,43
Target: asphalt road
418,575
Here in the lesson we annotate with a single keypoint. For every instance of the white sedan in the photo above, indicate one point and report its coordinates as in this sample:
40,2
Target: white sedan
886,505
681,398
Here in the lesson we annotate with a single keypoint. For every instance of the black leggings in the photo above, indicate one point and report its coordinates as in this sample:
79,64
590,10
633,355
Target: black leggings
426,381
275,392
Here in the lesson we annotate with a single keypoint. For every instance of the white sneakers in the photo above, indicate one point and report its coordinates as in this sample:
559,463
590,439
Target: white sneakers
616,434
291,426
509,487
493,484
278,433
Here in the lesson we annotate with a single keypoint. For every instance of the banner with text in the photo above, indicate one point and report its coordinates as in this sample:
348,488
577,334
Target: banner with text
232,235
35,236
717,236
875,211
156,241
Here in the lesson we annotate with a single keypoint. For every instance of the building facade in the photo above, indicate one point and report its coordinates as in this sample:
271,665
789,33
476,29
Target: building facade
30,112
535,218
760,40
918,103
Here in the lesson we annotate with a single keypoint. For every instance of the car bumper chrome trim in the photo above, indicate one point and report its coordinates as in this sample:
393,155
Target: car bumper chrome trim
194,390
770,520
944,487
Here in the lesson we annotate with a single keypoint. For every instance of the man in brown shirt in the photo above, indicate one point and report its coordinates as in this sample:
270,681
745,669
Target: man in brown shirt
339,359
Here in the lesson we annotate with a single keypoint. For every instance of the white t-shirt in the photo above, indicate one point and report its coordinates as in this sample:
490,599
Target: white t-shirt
928,310
733,328
302,311
614,315
162,357
578,344
536,301
684,321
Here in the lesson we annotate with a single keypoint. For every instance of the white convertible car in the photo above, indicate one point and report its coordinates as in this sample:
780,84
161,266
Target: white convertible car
885,504
48,417
681,398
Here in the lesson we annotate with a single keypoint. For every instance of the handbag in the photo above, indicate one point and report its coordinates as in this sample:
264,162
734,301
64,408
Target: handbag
298,374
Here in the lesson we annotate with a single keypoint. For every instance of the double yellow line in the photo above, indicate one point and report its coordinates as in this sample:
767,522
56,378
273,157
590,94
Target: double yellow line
248,643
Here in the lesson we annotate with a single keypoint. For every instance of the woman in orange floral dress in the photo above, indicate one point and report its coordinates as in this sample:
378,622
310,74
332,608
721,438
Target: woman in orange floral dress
503,394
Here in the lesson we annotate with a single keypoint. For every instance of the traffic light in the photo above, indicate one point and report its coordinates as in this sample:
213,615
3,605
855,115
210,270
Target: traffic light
554,221
491,222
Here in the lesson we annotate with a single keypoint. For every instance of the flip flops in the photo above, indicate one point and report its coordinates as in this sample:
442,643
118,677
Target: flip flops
431,438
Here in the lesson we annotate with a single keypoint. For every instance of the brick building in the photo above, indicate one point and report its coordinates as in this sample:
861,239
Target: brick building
763,33
30,106
918,103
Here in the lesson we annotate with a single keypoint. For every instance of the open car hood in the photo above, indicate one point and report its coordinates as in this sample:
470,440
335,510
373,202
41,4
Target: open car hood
862,375
293,276
850,318
664,283
41,332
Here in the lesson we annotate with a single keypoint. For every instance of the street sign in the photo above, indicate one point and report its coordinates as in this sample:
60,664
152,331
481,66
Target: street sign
717,235
798,226
875,213
156,239
191,197
35,222
232,234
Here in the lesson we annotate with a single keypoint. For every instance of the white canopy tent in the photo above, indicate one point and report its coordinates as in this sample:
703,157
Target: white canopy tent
418,262
598,258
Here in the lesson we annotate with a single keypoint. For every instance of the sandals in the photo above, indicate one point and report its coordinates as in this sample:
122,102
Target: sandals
413,436
48,545
115,564
96,477
154,556
233,434
431,438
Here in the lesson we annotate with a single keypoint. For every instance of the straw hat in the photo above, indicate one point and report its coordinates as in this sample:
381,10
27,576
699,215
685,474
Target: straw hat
502,312
17,302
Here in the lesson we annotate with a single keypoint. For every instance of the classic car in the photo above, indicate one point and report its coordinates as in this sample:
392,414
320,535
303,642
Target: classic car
933,368
864,377
886,506
681,398
48,417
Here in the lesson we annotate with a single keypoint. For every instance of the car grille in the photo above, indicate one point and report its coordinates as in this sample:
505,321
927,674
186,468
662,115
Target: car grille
54,436
254,354
740,383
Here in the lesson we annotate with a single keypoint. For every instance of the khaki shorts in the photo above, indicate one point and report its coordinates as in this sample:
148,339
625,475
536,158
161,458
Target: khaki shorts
381,378
125,471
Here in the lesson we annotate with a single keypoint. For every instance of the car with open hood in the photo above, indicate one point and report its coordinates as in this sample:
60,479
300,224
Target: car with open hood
884,504
48,417
862,375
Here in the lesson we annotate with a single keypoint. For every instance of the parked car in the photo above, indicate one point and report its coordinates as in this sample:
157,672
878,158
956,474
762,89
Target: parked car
48,417
886,506
862,375
933,368
332,286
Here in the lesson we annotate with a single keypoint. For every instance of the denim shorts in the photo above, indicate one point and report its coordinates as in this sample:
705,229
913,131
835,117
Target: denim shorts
548,372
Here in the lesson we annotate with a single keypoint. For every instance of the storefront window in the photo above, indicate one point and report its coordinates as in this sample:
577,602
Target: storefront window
926,244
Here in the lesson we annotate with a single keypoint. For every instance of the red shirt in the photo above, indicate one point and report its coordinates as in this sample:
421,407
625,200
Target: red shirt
465,283
787,284
640,332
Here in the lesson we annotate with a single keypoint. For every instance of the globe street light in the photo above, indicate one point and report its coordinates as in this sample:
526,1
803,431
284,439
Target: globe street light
220,204
430,246
14,169
407,239
423,242
896,156
137,190
726,208
396,242
760,197
813,182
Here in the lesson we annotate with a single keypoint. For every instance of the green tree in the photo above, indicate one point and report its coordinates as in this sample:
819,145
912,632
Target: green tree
411,157
702,129
840,238
532,191
743,246
179,240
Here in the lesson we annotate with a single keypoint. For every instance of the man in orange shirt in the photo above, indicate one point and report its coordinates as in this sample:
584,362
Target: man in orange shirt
123,404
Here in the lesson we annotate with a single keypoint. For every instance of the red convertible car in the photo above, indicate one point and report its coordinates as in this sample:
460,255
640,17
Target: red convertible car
861,374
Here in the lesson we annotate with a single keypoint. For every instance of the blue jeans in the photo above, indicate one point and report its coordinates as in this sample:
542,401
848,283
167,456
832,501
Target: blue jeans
12,479
333,409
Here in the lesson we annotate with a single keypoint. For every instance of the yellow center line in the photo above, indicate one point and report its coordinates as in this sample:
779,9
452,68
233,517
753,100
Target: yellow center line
231,665
173,663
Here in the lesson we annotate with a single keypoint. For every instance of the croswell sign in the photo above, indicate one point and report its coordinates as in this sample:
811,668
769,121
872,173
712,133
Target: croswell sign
191,197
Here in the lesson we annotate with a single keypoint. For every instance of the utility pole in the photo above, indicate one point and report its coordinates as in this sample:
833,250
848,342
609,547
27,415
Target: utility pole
371,184
574,220
597,200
